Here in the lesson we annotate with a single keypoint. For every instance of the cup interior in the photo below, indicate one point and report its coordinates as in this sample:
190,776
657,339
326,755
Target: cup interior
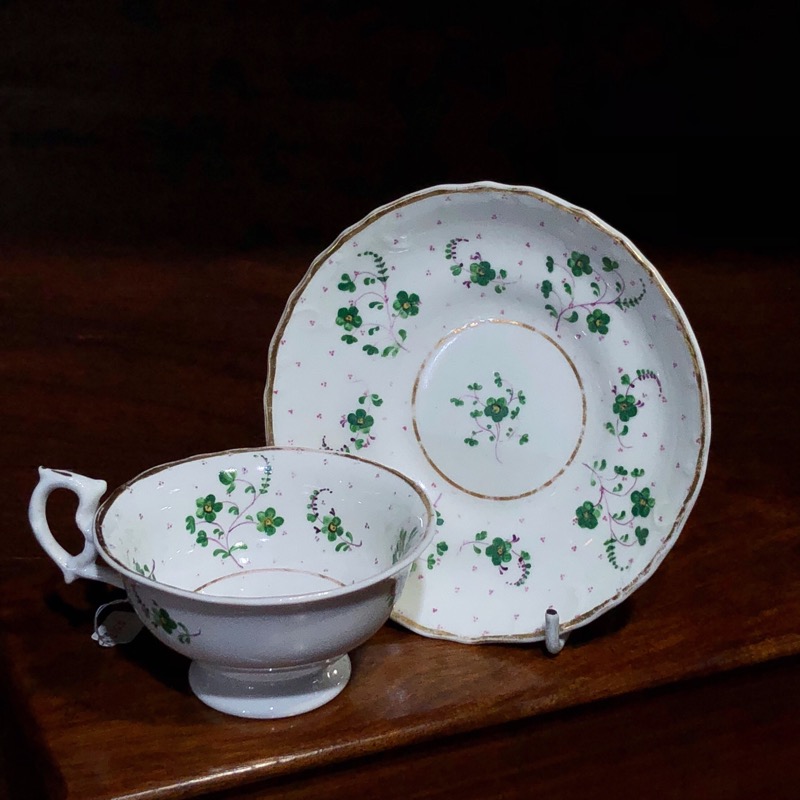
266,523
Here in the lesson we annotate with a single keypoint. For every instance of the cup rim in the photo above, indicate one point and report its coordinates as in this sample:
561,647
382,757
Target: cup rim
266,600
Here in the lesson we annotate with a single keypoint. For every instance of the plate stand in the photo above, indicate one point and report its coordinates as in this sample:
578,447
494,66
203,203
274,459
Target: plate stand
554,640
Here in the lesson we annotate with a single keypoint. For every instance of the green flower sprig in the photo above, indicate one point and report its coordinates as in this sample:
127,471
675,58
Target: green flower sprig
562,295
327,524
502,552
628,402
440,548
360,421
492,413
160,618
403,544
619,488
207,526
480,271
390,310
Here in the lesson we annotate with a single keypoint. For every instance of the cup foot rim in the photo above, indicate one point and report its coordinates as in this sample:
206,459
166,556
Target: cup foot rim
265,694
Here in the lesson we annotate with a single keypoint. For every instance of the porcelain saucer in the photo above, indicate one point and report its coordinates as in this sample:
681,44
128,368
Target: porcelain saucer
526,364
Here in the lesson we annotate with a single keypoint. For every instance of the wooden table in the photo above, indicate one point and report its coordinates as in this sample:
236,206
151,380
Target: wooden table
113,362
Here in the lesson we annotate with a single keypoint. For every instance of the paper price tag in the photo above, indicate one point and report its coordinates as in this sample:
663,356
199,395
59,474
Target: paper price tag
119,627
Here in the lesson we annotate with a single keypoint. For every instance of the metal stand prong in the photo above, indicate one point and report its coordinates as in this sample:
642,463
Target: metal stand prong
554,641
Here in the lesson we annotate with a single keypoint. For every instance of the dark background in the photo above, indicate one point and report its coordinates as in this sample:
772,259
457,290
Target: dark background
237,126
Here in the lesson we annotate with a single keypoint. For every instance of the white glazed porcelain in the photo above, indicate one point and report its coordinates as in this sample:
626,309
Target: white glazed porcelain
531,369
264,567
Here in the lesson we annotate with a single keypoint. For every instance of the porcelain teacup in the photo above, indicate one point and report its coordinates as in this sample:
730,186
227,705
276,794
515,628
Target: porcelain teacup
265,567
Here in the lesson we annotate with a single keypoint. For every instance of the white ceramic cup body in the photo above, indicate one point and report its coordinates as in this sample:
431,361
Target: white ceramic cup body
264,636
264,567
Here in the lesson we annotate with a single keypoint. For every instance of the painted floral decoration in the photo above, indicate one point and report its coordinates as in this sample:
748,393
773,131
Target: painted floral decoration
502,552
587,515
628,401
406,305
359,420
597,321
642,503
491,414
327,523
348,318
625,407
377,329
580,286
224,533
268,521
496,409
208,507
481,272
620,504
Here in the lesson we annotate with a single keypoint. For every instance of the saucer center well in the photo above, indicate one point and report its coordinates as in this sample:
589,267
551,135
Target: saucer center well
499,409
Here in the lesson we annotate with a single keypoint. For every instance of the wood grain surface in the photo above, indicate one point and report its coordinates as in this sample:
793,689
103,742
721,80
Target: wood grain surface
115,360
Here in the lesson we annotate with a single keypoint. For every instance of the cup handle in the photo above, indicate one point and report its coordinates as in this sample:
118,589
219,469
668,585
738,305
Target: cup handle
89,491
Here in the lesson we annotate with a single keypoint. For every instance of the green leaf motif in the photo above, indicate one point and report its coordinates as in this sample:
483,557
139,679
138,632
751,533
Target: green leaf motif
346,284
609,265
611,553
